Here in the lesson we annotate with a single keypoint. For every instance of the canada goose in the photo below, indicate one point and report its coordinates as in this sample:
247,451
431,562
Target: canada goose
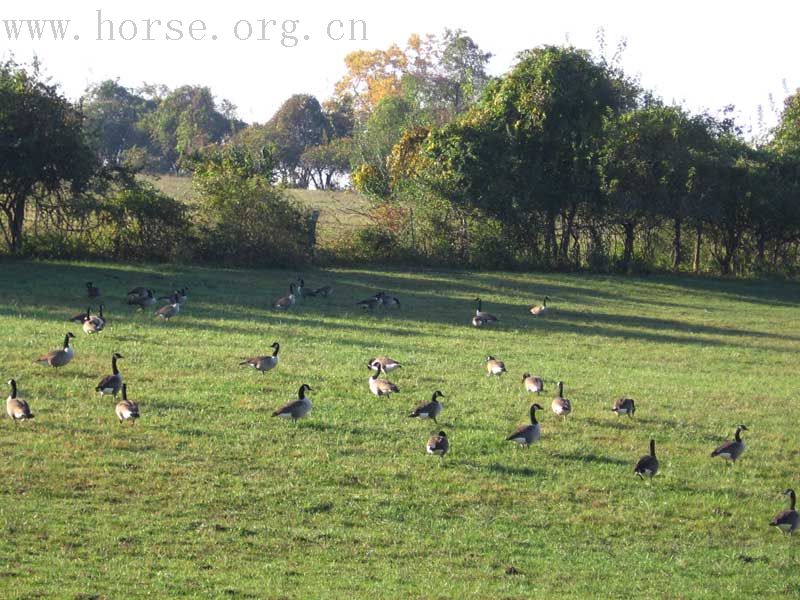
429,410
539,309
126,409
787,520
16,408
264,363
92,291
136,293
388,301
111,384
58,358
532,383
482,318
438,444
324,291
732,449
560,405
370,303
81,317
101,320
387,364
170,310
380,387
648,464
287,301
178,296
494,366
142,301
91,323
300,290
296,409
624,406
525,435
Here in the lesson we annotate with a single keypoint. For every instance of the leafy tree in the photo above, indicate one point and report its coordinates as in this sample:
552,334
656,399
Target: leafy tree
326,162
787,133
113,117
43,149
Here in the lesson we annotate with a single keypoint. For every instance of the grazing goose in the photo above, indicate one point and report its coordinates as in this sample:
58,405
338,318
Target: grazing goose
429,410
532,384
787,520
380,387
648,464
482,318
16,408
539,309
438,444
81,317
388,301
560,405
525,435
142,301
286,302
494,366
170,310
387,364
58,358
111,384
296,409
126,409
92,291
264,363
732,449
370,303
624,406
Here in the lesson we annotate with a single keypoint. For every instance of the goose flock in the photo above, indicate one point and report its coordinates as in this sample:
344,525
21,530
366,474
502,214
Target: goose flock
526,435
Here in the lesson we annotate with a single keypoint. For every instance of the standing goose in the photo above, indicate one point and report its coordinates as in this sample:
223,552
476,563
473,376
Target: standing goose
539,309
429,410
92,291
300,290
287,301
99,318
264,363
787,520
482,318
386,363
296,409
532,384
494,366
438,444
380,387
560,405
525,435
111,384
170,310
58,358
732,449
126,409
16,408
624,406
648,464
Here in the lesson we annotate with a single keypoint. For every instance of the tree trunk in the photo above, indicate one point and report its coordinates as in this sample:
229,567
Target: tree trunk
697,241
550,234
627,256
15,226
676,245
566,233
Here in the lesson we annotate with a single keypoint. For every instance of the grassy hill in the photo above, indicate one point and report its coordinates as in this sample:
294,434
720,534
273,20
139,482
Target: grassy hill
208,496
341,213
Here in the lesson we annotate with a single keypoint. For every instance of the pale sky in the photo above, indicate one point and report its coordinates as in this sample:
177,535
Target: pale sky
703,55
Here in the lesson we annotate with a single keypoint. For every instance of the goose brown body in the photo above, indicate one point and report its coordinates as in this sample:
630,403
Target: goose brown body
58,358
264,363
438,444
525,435
624,406
561,406
648,464
16,408
532,384
732,449
126,409
111,384
296,409
429,410
494,366
787,520
380,387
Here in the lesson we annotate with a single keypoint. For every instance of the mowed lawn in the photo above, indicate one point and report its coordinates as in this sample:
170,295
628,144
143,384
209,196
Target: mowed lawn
208,496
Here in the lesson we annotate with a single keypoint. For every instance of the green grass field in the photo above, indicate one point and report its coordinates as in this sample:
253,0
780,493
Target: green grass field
208,496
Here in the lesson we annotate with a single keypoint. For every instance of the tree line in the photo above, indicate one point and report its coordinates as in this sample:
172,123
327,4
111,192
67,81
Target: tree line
564,162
